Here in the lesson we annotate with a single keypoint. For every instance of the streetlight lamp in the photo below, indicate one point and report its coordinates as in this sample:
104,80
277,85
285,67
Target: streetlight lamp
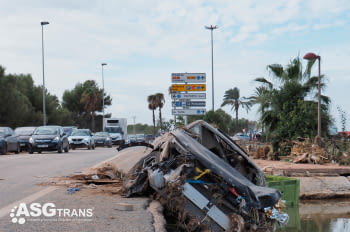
103,95
42,52
313,56
211,28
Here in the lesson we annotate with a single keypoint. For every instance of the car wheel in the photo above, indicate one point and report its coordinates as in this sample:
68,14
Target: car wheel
30,149
93,147
66,149
39,152
73,148
59,150
89,146
18,150
4,150
110,145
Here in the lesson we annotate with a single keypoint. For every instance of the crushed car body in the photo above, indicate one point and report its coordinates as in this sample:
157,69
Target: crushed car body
207,182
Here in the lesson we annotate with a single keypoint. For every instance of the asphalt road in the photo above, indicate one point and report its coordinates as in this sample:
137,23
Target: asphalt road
20,175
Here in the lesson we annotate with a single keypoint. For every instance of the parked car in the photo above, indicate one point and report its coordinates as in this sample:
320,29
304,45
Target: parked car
8,141
140,138
240,136
24,134
48,138
132,138
69,129
81,138
102,139
149,138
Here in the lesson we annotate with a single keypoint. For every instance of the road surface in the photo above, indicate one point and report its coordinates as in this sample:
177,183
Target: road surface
20,175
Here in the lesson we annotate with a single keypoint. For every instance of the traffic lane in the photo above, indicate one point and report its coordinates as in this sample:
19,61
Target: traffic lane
20,175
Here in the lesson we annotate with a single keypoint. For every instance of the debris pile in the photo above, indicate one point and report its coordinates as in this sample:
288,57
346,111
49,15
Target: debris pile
206,182
306,152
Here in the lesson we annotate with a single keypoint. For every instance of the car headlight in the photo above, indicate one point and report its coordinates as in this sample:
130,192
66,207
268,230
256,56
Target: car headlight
56,139
86,139
31,140
69,140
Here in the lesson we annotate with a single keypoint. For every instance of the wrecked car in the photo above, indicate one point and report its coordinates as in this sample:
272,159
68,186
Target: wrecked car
206,182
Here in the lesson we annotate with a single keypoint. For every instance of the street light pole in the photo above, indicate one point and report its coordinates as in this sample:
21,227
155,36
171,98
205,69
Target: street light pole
312,56
103,96
211,28
42,52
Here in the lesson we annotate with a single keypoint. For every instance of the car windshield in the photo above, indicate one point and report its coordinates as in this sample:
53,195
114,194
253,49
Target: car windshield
102,134
46,131
80,133
68,130
2,132
113,130
24,130
140,136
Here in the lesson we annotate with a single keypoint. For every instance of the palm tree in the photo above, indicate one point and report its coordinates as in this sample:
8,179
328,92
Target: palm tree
151,99
282,98
90,98
160,101
233,98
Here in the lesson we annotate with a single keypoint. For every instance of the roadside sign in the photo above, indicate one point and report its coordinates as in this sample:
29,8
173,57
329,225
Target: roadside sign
188,77
188,111
190,87
189,103
179,96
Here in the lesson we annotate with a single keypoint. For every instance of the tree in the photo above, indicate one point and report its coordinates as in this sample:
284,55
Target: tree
21,101
287,112
232,97
160,101
83,101
152,105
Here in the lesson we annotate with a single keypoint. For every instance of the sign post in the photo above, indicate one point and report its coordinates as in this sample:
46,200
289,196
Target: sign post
185,90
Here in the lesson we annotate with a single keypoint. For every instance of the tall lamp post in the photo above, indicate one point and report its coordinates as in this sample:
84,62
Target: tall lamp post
42,52
211,28
103,95
313,56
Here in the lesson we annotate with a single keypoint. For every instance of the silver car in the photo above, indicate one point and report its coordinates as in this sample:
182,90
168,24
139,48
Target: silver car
81,138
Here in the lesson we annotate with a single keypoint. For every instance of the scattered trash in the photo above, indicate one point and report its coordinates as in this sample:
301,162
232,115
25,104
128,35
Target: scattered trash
95,177
206,182
70,191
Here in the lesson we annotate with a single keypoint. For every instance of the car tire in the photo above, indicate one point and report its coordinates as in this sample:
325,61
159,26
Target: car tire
18,150
60,149
66,149
93,147
4,150
30,149
89,146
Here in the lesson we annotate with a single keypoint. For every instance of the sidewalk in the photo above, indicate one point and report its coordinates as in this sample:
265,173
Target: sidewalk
110,213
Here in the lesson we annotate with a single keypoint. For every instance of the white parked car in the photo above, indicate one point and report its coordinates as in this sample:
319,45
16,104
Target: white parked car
81,138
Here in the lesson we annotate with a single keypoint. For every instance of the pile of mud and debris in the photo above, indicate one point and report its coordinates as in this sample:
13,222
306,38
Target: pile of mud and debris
206,182
302,150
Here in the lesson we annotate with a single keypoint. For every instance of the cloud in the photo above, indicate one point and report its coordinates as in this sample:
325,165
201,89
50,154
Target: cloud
143,42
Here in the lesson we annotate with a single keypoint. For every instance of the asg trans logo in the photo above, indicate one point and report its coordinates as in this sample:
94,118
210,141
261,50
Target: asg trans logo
47,212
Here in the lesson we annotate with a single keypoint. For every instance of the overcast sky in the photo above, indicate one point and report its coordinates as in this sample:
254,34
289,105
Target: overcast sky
143,42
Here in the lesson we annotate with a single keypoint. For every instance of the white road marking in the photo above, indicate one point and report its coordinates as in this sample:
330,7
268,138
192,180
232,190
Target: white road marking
7,209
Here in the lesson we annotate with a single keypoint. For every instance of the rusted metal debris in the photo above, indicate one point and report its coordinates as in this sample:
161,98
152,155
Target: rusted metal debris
207,182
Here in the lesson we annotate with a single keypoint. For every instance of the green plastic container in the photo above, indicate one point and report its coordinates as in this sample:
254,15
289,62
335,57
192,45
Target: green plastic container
289,187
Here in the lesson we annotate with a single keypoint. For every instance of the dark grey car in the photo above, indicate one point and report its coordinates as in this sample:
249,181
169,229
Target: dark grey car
24,134
48,138
8,141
